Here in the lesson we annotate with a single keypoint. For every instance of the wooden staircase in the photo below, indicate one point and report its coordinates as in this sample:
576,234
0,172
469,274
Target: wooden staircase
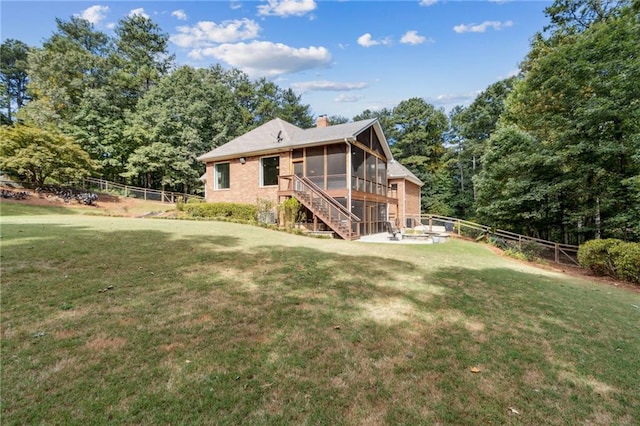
326,208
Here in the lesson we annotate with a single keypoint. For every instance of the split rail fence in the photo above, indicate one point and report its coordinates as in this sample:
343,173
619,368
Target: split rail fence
551,250
136,192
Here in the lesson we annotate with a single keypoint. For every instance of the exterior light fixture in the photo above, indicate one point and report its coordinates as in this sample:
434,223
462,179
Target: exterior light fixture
243,160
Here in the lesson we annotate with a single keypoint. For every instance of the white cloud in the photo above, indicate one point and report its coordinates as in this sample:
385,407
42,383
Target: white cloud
412,37
111,25
428,2
453,98
480,28
264,58
180,14
287,8
235,5
366,40
206,33
344,97
329,86
94,14
138,12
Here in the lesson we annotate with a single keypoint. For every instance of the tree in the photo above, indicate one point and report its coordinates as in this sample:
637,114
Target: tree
385,118
189,110
72,61
293,111
571,16
580,100
337,119
161,163
515,187
418,131
417,141
470,130
37,155
141,54
13,75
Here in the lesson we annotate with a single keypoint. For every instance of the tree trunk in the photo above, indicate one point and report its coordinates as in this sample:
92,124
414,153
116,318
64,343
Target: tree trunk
598,218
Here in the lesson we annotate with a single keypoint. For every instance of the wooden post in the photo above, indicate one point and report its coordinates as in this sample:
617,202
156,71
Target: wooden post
430,223
520,242
459,228
557,253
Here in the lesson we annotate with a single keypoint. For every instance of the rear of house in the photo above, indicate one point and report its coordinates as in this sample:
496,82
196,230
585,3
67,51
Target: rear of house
343,175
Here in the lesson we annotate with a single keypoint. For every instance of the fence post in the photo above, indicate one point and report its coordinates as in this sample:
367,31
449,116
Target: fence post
430,223
145,194
520,242
459,228
557,253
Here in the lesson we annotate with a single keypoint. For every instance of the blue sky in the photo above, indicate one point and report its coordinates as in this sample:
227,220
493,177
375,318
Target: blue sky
342,57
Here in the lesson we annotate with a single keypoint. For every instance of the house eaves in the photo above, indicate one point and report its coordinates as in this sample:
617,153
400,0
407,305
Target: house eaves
398,171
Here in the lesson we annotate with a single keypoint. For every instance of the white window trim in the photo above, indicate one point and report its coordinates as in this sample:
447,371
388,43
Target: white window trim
262,185
215,177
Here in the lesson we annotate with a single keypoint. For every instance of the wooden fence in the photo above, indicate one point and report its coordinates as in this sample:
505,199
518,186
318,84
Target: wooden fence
557,252
136,192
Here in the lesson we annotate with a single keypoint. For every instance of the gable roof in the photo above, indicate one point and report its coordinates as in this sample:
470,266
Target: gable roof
396,170
278,135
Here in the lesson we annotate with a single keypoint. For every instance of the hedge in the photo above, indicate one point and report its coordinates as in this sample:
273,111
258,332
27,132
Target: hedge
237,211
612,257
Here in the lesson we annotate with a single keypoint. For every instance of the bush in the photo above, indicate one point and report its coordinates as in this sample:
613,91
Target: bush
612,257
246,212
595,255
626,259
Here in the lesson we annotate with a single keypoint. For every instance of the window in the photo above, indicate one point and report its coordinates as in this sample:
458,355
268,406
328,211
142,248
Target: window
221,173
269,171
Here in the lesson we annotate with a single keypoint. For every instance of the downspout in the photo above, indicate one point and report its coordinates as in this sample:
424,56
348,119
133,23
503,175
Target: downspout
346,140
404,203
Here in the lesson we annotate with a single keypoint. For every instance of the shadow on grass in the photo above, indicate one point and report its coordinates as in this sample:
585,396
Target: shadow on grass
150,328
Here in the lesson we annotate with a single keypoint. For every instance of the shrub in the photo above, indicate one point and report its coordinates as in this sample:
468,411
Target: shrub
626,259
611,257
289,212
246,212
595,255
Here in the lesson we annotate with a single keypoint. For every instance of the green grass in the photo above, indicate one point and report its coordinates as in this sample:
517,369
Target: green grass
131,321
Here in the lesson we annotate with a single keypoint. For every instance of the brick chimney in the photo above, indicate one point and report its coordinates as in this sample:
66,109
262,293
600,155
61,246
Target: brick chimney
323,121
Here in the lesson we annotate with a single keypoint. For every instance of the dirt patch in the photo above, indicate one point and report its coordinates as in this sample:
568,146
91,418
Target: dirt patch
102,343
105,204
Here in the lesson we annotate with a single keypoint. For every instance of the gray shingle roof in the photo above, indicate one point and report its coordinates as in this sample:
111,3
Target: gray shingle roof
278,135
396,170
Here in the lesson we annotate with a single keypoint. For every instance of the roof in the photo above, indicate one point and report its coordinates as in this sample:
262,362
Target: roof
396,170
278,135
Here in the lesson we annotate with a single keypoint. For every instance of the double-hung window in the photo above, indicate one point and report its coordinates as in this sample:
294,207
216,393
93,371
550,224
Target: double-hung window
221,176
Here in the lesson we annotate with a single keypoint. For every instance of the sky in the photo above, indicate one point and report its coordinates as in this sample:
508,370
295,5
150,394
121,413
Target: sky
341,57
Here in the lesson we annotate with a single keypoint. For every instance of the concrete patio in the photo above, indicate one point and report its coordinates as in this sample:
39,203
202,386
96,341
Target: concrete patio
427,236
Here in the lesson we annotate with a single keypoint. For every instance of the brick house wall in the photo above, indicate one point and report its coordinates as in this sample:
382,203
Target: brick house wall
244,181
408,202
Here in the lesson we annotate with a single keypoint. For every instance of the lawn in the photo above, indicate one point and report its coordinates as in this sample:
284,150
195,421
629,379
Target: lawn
110,320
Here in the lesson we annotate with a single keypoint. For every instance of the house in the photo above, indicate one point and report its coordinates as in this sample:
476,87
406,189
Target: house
343,175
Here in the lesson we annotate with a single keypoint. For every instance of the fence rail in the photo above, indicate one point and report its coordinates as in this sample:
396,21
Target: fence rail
557,252
136,192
